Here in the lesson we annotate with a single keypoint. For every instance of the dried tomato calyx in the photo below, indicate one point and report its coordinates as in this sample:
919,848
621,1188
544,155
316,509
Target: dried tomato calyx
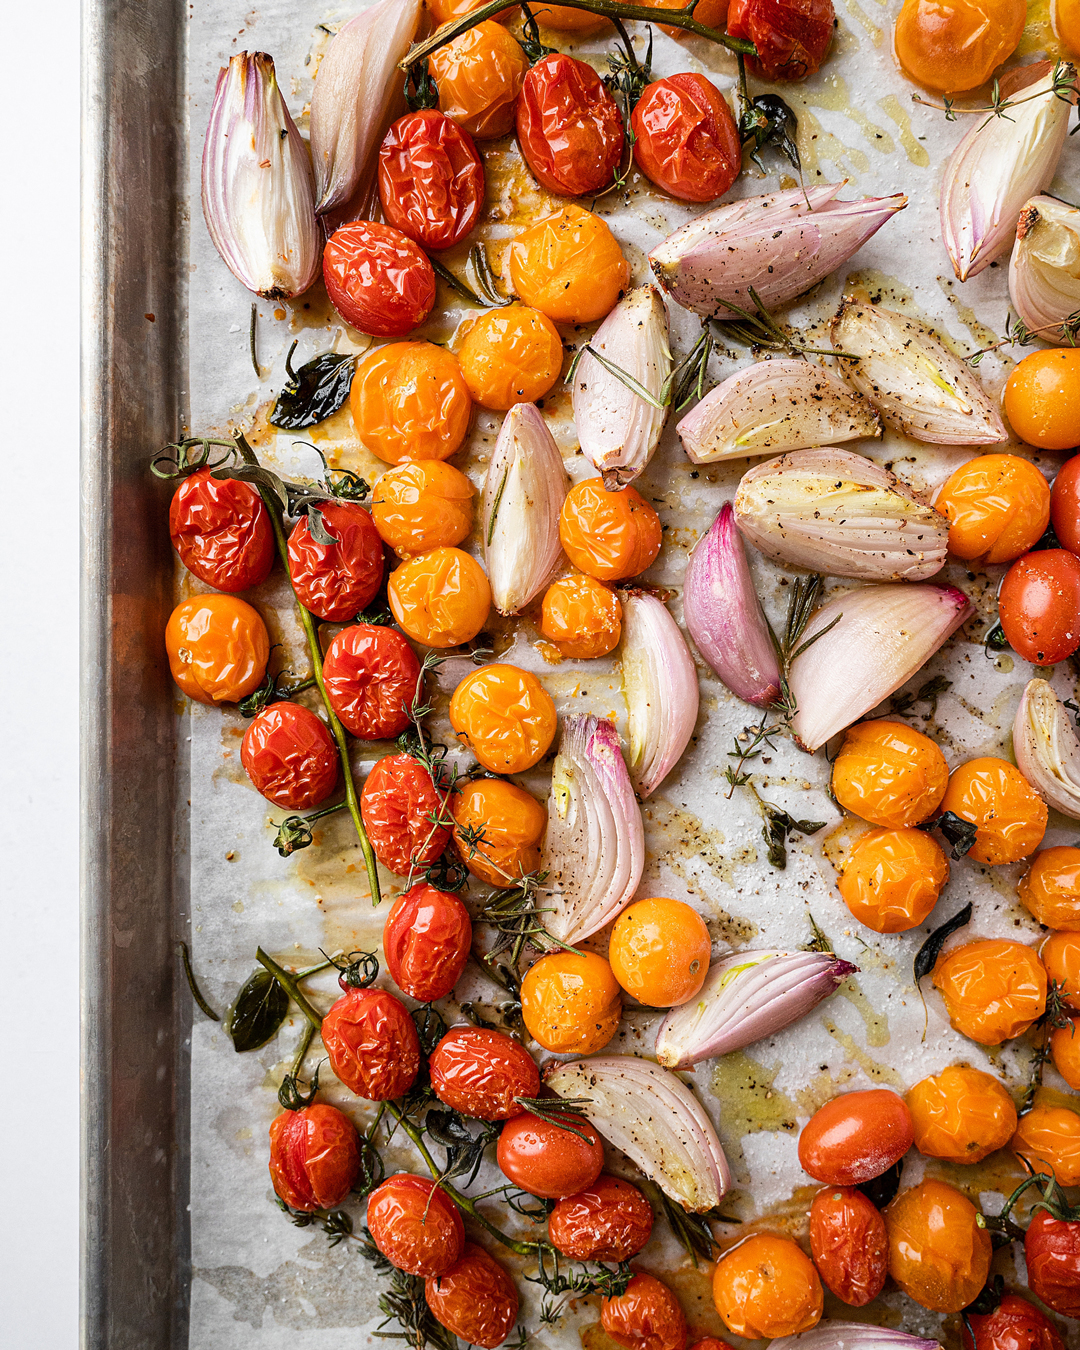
291,1095
356,970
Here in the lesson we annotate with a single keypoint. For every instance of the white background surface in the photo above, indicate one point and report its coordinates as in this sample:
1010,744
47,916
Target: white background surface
39,564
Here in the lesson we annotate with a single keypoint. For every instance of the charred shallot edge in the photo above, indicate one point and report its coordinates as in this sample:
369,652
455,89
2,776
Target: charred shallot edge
1044,270
660,687
1047,749
832,1334
745,997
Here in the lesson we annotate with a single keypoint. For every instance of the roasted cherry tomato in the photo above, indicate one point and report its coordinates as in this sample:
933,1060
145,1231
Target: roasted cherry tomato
218,648
855,1137
510,355
569,266
1065,1052
609,535
371,676
1015,1324
995,796
1039,606
1060,955
505,716
713,14
1042,399
1050,888
938,1254
892,879
481,1073
442,11
377,279
646,1317
441,598
564,19
222,531
568,126
1064,498
548,1160
290,756
997,507
409,401
953,45
372,1044
498,830
608,1221
400,805
337,581
420,506
1048,1140
415,1225
431,180
993,990
686,140
1052,1256
314,1157
479,76
1065,18
426,940
571,1004
659,951
889,774
581,616
475,1299
848,1244
767,1287
791,36
962,1115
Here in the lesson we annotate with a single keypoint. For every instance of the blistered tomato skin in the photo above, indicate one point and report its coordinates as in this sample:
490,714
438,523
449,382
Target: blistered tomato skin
961,1115
581,616
659,951
420,506
1042,399
1048,1140
889,774
569,127
848,1244
442,11
646,1317
441,598
997,506
415,1225
993,990
372,1044
222,532
608,1221
1060,955
431,180
564,19
377,279
505,716
409,401
510,355
1015,1324
855,1137
497,831
1065,500
337,581
1052,1256
475,1299
791,36
314,1157
571,1004
426,940
938,1254
1050,888
546,1160
218,648
480,1073
1039,606
609,535
398,804
569,266
290,756
957,45
995,796
766,1287
686,141
479,76
892,879
371,675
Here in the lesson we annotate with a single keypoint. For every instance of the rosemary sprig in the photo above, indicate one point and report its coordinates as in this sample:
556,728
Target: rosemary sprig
758,328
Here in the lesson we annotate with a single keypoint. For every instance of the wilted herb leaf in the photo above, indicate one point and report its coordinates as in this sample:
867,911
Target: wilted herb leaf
928,952
769,121
960,833
314,392
258,1011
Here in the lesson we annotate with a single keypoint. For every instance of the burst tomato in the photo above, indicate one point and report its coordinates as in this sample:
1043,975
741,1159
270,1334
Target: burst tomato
569,127
889,774
791,36
222,531
848,1244
481,1073
371,676
686,140
337,581
609,535
569,266
1048,1140
290,756
659,951
996,797
571,1004
961,1115
427,939
855,1137
475,1299
1050,888
938,1254
993,991
415,1225
377,279
431,180
372,1044
218,648
497,830
441,598
608,1221
408,401
581,616
480,75
1052,1254
1042,399
997,507
505,716
767,1287
646,1317
1015,1324
510,355
547,1160
958,44
420,506
1065,505
892,879
402,810
314,1157
1039,606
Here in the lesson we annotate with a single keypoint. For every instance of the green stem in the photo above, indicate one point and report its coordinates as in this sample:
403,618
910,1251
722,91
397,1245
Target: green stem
302,1049
291,984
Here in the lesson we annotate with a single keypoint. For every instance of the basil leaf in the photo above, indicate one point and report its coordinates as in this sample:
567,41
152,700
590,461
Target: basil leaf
314,392
257,1013
928,952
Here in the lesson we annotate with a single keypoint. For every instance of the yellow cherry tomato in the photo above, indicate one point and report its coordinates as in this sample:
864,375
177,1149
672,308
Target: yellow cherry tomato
609,535
569,266
218,648
659,951
767,1287
1042,399
581,616
571,1003
480,75
505,716
497,830
1065,20
1050,888
889,774
938,1254
441,598
993,990
409,401
421,506
952,45
1065,1052
892,879
996,797
1048,1138
1060,954
511,355
961,1115
997,507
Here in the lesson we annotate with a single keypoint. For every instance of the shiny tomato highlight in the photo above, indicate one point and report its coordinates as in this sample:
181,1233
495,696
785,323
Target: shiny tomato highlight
849,1244
953,45
892,879
314,1157
855,1137
547,1160
686,140
1039,606
400,806
1052,1256
659,951
581,617
993,990
409,401
481,1073
938,1254
475,1299
377,279
372,1044
889,774
218,648
290,756
608,1221
568,126
767,1287
505,716
431,180
426,940
497,830
609,535
1015,1324
441,598
479,76
510,355
791,36
222,531
569,266
1050,888
997,507
415,1225
420,506
571,1004
371,676
961,1115
647,1316
995,796
337,581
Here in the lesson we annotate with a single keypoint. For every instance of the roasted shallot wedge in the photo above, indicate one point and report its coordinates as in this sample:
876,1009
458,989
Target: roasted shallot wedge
660,687
834,1334
653,1117
1047,749
1044,269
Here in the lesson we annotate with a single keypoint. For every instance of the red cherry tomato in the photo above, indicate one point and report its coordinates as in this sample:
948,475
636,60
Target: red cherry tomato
431,180
1015,1324
1039,606
569,127
337,581
849,1244
686,140
609,1221
480,1073
290,756
646,1317
222,531
1065,504
372,1044
371,676
400,805
427,939
547,1160
415,1225
475,1299
856,1137
1052,1254
314,1157
377,279
792,36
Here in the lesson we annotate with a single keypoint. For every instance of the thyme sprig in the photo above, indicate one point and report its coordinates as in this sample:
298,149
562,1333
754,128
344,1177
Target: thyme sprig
1062,78
1054,1018
1018,334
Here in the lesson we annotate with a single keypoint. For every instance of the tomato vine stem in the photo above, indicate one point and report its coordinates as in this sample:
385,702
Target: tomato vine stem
291,984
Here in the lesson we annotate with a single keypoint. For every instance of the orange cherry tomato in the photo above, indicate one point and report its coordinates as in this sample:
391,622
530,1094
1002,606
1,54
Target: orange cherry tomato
962,1115
1050,888
711,13
686,141
569,266
482,1073
767,1287
314,1157
993,990
337,581
290,756
938,1254
431,180
371,676
420,506
995,796
1065,1052
892,879
1065,492
377,279
548,1160
409,401
480,75
400,805
953,45
855,1137
848,1244
475,1299
997,506
791,36
564,19
427,939
442,11
497,831
222,531
218,648
511,355
646,1317
659,951
1042,399
571,1004
505,716
372,1044
1060,955
569,127
1015,1324
609,535
1065,19
441,598
1048,1139
415,1225
889,774
608,1221
581,616
1039,606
